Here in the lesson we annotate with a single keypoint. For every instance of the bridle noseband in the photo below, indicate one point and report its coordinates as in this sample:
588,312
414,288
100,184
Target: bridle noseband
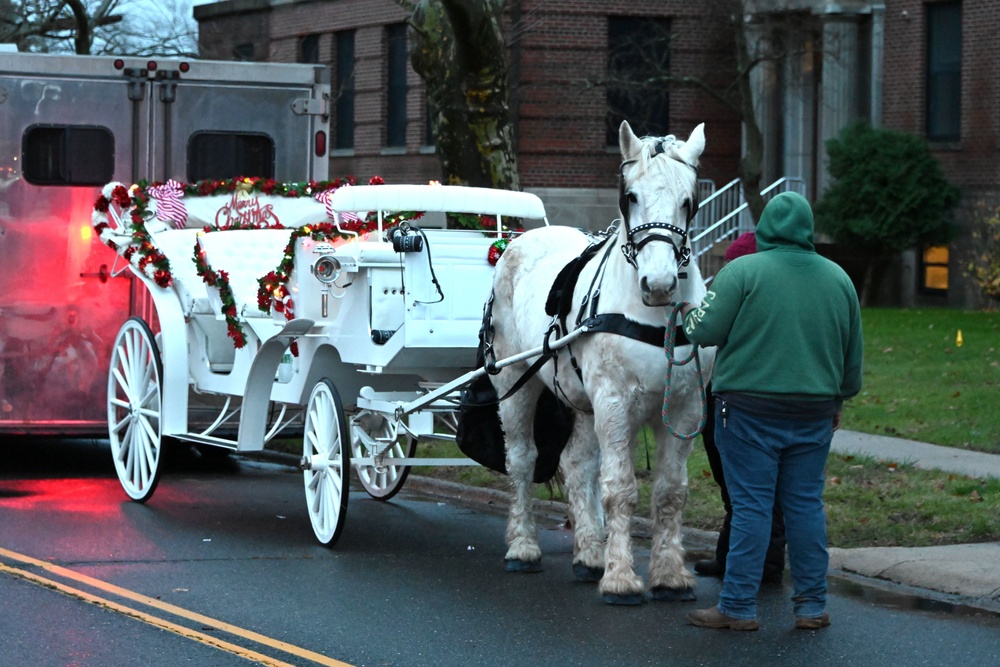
631,248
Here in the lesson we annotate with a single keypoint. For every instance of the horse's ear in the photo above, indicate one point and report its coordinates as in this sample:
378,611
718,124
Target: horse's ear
627,141
694,146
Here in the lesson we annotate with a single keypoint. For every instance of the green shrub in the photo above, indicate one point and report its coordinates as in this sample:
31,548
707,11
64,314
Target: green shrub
889,192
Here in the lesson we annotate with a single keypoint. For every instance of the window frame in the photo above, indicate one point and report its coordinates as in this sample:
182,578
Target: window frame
344,89
62,153
235,168
397,88
623,46
943,72
924,266
309,48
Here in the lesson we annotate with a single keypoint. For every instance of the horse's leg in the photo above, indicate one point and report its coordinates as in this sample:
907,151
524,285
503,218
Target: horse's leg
580,465
517,414
669,579
619,496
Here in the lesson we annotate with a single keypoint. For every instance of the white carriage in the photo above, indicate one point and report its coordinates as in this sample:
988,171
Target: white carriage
370,334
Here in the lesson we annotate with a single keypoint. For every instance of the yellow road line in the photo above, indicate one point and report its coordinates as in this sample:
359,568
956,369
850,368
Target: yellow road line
147,618
162,606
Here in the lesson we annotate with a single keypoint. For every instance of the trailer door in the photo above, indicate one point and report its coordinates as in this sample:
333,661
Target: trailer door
62,137
223,120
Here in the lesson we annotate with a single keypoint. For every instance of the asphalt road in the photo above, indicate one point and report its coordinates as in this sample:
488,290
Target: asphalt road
221,568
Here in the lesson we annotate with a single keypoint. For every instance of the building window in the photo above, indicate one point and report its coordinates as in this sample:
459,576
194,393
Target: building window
396,88
944,71
638,52
243,52
309,49
68,155
934,269
344,86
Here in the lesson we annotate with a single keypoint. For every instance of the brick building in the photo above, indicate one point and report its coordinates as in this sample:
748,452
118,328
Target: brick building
942,83
558,54
919,66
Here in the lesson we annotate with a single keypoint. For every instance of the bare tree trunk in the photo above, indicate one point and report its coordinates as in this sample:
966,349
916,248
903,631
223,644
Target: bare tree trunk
460,54
867,283
84,30
753,156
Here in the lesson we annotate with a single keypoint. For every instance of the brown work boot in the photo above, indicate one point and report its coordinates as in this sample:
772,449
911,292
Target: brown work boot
814,623
713,618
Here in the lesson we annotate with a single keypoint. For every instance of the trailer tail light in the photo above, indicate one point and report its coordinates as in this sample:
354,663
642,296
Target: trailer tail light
320,143
119,63
151,65
184,67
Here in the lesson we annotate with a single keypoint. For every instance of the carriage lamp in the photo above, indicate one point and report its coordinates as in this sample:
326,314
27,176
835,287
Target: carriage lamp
327,269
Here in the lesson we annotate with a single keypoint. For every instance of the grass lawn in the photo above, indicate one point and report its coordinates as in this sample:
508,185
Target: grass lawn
920,384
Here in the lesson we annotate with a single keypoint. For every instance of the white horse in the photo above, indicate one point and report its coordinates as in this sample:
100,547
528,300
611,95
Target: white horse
612,382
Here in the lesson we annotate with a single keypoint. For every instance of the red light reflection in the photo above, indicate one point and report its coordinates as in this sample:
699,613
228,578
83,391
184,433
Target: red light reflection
95,497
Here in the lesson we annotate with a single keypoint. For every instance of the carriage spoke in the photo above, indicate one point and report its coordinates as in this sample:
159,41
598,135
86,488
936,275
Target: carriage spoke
129,449
147,427
125,422
329,494
122,384
129,357
149,452
118,403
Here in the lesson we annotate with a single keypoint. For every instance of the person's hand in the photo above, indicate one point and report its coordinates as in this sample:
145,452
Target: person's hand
836,419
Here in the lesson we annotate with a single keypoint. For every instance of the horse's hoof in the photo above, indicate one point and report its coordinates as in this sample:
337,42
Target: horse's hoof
630,600
522,566
664,594
587,573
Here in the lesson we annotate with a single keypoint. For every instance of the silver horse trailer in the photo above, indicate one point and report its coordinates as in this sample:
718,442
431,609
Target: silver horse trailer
70,124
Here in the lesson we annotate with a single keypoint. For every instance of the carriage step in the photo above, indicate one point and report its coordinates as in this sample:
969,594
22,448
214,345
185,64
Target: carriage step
412,461
205,440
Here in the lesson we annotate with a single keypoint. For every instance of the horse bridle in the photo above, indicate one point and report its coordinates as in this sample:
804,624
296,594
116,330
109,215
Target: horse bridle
631,248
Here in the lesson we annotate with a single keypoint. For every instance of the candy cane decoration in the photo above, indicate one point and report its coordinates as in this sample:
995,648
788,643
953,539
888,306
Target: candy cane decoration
169,206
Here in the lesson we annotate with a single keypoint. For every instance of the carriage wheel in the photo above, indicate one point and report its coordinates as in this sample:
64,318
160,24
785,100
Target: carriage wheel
383,480
134,404
325,462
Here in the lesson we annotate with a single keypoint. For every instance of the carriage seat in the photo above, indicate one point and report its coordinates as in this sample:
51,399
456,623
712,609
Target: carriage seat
178,247
246,255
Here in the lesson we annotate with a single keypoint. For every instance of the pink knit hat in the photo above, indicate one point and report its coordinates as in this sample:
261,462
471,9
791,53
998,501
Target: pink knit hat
745,244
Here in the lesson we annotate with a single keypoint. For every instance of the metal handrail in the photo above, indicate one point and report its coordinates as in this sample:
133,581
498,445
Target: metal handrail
730,212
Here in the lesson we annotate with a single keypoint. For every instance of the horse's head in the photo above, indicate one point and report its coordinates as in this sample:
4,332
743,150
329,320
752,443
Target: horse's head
658,197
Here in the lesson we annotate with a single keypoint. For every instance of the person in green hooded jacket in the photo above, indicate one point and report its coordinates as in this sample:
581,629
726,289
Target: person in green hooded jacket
787,324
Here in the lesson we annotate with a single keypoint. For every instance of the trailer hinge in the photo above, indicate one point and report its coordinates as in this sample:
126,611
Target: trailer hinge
136,83
309,106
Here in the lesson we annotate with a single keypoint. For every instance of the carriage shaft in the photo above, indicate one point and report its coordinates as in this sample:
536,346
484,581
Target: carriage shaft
405,408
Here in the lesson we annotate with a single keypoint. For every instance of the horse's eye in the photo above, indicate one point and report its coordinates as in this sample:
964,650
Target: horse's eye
632,199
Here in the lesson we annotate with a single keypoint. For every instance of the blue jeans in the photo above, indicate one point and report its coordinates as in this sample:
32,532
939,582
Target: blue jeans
761,457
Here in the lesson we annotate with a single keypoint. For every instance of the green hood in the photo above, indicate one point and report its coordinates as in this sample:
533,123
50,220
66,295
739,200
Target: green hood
787,222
